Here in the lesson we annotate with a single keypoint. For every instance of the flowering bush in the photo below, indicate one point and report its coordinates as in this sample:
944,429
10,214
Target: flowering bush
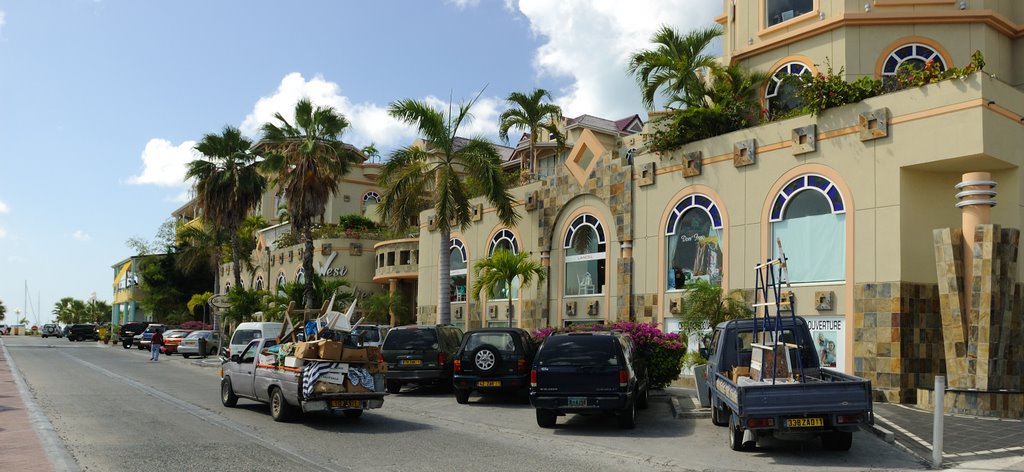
663,352
194,325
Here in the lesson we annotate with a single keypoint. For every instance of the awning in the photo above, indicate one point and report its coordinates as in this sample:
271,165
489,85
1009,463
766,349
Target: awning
122,272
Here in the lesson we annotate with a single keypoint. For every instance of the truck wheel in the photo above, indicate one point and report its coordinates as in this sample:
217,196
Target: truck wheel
717,414
393,386
352,414
227,394
462,396
837,440
642,399
280,410
627,417
546,418
735,435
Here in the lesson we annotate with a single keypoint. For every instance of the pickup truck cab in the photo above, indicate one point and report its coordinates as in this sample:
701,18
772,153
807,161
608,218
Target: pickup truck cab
244,376
825,403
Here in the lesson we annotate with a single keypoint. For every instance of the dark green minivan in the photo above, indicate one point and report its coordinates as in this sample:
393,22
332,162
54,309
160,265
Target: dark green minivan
420,354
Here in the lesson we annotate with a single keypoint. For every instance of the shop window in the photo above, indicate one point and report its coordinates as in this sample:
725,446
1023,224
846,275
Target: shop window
693,238
809,217
504,239
914,55
585,257
780,94
458,271
300,277
258,284
780,11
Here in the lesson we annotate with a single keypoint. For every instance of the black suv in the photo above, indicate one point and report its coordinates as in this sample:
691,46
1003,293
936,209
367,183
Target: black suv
585,373
493,359
82,332
129,330
420,354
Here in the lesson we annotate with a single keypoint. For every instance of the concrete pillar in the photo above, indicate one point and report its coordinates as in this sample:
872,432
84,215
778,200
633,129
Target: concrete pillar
392,288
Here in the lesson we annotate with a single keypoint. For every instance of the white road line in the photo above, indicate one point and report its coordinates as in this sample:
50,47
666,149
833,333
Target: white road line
206,415
951,455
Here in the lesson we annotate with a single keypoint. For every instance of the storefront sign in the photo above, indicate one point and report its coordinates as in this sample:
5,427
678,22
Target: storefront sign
325,270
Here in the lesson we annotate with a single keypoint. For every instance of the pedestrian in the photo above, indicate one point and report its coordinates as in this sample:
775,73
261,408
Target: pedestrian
154,347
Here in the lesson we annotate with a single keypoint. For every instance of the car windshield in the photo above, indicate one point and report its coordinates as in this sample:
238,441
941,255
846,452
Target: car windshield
367,333
576,350
411,340
175,334
198,334
501,341
243,336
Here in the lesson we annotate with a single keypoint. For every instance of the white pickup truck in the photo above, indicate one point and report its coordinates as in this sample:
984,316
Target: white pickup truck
245,376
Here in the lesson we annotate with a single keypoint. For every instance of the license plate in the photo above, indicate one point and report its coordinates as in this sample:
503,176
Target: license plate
805,422
577,402
411,362
489,383
346,404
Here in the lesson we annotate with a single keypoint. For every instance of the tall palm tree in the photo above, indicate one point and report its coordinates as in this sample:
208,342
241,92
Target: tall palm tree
501,269
675,66
228,184
440,175
62,310
529,112
308,160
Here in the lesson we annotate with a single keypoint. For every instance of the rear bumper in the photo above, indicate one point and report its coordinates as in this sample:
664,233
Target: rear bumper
420,375
472,382
560,403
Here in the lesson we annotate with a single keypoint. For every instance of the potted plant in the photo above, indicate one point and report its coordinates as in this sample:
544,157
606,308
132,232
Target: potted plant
704,306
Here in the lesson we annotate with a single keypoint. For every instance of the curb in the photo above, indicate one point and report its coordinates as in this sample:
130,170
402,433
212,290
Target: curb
884,434
680,409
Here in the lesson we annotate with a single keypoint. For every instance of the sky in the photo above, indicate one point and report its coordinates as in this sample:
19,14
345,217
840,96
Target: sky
101,101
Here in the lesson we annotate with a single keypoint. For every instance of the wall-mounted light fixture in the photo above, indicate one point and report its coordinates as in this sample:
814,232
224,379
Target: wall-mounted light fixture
867,7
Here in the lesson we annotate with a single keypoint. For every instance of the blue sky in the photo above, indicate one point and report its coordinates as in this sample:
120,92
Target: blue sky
102,100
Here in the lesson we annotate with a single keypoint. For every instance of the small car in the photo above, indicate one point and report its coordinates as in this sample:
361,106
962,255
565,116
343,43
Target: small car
190,345
420,354
493,360
83,331
172,338
51,329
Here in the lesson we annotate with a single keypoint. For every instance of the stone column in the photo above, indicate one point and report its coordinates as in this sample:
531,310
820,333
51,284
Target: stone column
392,288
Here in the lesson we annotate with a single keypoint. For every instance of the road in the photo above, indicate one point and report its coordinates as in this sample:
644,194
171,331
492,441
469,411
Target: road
114,410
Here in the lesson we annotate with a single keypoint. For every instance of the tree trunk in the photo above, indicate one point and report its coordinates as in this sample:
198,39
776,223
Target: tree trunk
307,267
444,278
533,156
511,315
236,263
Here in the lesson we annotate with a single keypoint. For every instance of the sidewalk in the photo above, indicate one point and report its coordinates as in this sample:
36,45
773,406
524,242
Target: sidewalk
20,442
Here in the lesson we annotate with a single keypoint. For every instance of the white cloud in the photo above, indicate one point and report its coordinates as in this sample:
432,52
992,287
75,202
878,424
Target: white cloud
575,29
164,164
462,4
3,207
81,235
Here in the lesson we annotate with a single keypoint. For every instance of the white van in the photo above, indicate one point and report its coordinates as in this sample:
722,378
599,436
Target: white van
248,331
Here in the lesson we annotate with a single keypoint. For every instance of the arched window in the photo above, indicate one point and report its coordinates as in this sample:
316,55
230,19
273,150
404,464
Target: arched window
809,217
300,277
371,197
504,239
281,280
693,239
459,270
258,284
916,55
780,95
585,263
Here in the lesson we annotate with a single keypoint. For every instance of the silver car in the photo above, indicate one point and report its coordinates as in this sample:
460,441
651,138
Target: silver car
190,345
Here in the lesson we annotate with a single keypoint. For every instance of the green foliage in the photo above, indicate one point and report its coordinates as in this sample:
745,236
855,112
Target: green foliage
529,112
244,303
70,310
167,289
379,307
829,89
694,124
3,310
200,301
691,359
290,238
675,66
356,222
501,269
704,306
323,288
909,76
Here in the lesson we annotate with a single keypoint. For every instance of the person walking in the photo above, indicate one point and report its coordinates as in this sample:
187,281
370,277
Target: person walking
157,343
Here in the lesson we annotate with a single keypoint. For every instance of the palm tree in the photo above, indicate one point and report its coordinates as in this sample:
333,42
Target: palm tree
705,305
309,161
675,65
386,306
200,300
228,184
62,310
441,175
201,246
501,269
740,88
528,111
3,310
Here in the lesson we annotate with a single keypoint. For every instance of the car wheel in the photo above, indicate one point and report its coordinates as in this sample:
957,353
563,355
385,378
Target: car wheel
642,399
486,359
352,414
837,440
736,435
462,396
227,394
546,418
127,345
186,356
627,418
140,347
280,410
393,386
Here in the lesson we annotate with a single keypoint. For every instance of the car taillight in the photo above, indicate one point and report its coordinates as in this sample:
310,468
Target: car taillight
760,422
380,359
623,377
457,365
849,419
533,378
441,358
521,366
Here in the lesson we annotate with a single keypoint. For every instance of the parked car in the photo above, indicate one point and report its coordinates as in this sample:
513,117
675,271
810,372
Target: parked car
51,329
588,372
370,335
82,332
190,345
246,332
420,355
129,330
4,329
493,360
146,338
172,338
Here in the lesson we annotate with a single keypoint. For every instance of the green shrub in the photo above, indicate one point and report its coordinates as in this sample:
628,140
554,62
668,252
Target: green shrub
356,222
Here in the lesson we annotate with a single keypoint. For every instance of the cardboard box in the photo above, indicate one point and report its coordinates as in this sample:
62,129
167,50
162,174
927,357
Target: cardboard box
330,350
354,354
307,350
335,376
738,372
292,361
377,367
355,388
372,353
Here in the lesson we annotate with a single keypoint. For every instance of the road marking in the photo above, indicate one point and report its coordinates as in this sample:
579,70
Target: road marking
56,452
950,455
207,415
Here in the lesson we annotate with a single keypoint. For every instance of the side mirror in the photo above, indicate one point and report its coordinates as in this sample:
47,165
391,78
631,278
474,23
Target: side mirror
704,352
235,358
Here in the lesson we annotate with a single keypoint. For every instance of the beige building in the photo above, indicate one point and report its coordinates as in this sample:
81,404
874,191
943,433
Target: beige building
853,194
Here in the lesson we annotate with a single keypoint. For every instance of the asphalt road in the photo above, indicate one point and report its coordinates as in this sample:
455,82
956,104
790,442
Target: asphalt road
114,410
